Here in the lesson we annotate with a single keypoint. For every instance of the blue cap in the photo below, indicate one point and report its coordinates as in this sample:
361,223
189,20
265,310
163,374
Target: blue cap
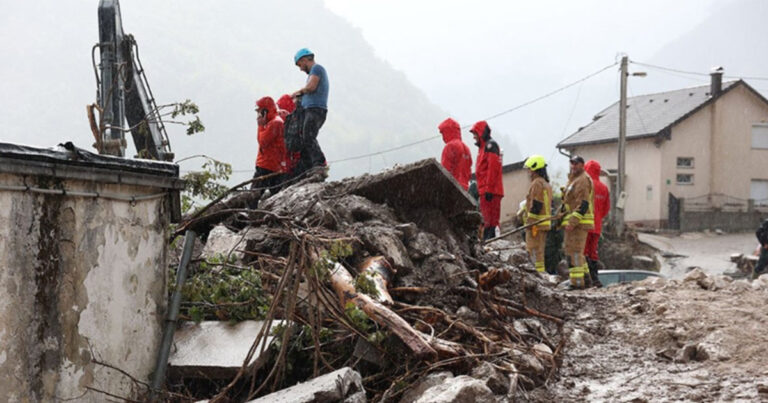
301,53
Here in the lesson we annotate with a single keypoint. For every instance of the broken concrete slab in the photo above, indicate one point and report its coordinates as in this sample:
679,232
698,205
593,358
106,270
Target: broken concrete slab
341,385
416,391
414,186
213,349
386,241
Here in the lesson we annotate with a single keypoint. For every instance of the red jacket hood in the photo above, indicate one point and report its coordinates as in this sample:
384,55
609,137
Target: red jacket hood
450,130
286,103
269,104
483,131
593,169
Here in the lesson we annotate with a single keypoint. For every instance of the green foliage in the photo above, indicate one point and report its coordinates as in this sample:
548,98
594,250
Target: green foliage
205,185
328,258
359,319
188,108
364,283
217,290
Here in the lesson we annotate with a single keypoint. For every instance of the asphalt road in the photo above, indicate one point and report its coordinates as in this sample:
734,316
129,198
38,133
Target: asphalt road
709,251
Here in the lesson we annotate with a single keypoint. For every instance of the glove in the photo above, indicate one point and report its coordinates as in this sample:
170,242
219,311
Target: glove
488,196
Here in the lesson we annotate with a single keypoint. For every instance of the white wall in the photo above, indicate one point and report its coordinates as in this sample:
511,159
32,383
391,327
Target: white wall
82,279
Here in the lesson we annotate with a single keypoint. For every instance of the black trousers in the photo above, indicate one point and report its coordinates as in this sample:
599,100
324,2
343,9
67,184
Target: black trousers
272,183
311,154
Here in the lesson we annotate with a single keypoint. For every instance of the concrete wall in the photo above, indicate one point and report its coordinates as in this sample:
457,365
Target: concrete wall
82,279
735,163
643,166
516,184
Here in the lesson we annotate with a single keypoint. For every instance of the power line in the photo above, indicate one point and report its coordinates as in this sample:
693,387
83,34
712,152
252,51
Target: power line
510,110
653,66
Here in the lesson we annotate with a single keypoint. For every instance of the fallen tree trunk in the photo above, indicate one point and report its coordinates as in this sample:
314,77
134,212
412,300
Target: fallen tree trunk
344,285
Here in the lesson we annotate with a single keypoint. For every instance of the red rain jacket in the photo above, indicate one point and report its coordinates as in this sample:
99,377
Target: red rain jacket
285,106
456,157
488,167
271,142
602,197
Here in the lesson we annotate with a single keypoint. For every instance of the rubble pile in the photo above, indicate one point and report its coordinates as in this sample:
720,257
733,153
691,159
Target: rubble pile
698,338
382,275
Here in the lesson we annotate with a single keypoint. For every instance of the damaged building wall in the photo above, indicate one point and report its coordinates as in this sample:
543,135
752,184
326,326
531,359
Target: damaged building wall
83,282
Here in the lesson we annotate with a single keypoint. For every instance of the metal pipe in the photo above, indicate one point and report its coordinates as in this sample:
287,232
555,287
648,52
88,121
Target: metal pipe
172,315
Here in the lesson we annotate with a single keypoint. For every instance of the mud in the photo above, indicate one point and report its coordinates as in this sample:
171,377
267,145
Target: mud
662,340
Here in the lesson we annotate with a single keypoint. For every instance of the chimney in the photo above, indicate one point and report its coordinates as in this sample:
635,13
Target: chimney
716,82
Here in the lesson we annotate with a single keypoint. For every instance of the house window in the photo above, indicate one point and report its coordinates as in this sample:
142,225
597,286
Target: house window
760,136
758,191
685,162
685,179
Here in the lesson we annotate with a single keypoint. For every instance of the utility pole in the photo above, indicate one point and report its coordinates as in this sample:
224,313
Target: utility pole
620,195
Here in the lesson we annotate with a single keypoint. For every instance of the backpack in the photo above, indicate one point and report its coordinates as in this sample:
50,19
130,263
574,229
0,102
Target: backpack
293,130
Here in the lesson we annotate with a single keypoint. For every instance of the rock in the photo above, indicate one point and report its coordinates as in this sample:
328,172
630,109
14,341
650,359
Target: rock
492,378
739,286
416,391
341,385
581,338
638,291
692,352
461,389
762,389
528,362
222,243
718,231
421,245
694,275
409,230
720,282
466,314
667,353
542,348
661,309
385,241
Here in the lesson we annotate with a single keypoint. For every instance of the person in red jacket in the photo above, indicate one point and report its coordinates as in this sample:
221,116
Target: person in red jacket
602,205
286,106
456,157
271,157
488,173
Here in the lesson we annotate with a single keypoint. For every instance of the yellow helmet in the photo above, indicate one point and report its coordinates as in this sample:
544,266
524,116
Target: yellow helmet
535,162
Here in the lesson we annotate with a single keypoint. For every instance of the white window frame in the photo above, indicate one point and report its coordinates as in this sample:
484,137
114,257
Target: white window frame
677,180
693,163
763,144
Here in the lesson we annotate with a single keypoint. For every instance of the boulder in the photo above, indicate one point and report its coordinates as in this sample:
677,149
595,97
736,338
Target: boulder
494,379
416,391
460,389
223,242
692,352
341,385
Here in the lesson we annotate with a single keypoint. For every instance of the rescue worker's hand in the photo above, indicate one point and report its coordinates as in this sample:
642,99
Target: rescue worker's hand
296,94
488,196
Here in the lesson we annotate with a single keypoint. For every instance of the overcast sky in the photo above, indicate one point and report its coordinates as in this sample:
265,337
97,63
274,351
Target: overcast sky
472,59
478,58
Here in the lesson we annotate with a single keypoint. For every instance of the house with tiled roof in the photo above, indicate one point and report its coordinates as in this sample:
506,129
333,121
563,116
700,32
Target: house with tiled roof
706,143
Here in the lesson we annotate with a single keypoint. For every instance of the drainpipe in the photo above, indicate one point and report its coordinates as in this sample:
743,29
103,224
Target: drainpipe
158,379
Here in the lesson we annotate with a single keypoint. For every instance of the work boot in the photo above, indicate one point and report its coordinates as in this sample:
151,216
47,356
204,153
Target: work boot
594,266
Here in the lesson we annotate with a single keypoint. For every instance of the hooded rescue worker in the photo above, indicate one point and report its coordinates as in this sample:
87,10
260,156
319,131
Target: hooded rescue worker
285,107
271,157
578,220
602,205
456,157
538,207
488,174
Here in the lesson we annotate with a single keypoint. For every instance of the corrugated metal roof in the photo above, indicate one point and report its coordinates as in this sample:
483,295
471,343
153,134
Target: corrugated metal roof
647,115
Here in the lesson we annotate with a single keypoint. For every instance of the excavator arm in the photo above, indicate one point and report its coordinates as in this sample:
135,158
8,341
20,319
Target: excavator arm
123,94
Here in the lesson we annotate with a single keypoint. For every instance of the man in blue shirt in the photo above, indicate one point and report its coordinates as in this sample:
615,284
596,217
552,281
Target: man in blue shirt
314,101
